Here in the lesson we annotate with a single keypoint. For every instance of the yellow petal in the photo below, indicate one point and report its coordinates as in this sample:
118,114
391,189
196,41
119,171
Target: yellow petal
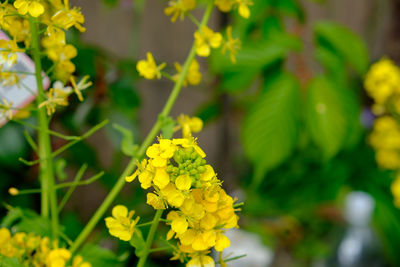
120,211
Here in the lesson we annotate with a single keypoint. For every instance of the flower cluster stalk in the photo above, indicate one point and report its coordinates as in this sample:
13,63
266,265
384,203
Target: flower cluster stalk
48,194
141,152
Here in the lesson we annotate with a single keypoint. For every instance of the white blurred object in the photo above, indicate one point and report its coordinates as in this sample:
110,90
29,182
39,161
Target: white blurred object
359,208
242,242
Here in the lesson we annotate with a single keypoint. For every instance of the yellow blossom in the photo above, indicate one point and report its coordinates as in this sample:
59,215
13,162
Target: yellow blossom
225,5
193,76
82,85
178,8
13,191
222,242
155,201
58,257
161,152
201,261
121,224
35,8
55,97
149,69
189,125
232,45
67,18
243,8
205,39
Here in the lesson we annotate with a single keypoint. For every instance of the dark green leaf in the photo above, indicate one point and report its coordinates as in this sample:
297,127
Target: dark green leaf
10,262
123,94
167,127
59,166
346,43
271,126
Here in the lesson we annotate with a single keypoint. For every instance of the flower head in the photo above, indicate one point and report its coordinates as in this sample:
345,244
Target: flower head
193,76
55,97
178,8
121,224
6,109
205,39
230,44
189,125
82,85
149,69
35,8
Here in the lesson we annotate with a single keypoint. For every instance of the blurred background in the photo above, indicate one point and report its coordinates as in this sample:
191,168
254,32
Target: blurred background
285,127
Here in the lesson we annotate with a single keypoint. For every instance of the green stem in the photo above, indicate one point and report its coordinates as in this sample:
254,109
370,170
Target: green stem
149,239
146,143
77,178
48,195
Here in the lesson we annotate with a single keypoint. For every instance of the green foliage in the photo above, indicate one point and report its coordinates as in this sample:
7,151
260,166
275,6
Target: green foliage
167,128
10,262
343,42
13,145
331,112
128,146
59,167
137,241
271,126
98,256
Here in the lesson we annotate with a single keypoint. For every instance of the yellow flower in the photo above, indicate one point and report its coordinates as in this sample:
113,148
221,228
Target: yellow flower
58,257
179,223
121,224
205,39
78,262
189,142
395,188
13,191
161,152
201,261
55,97
222,242
189,125
193,76
149,69
82,85
174,196
5,236
178,8
6,109
161,178
382,80
244,10
35,8
155,201
183,182
62,52
225,5
67,18
231,45
9,55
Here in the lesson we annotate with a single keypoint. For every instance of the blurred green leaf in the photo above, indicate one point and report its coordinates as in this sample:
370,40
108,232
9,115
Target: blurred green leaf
270,128
31,222
330,111
13,145
344,42
99,257
111,3
332,63
209,111
137,241
128,146
59,167
10,262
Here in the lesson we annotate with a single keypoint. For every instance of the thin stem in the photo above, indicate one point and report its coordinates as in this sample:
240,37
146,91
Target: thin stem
30,141
149,239
159,249
59,135
233,258
193,19
144,224
19,72
48,195
146,143
77,178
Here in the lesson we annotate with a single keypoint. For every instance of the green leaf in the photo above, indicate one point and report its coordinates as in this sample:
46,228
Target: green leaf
167,127
332,63
59,167
209,111
137,241
99,257
271,126
33,223
344,42
330,112
123,94
128,146
10,262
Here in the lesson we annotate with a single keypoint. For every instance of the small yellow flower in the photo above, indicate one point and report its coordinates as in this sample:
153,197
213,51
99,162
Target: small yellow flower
395,188
179,223
67,18
244,9
55,97
232,45
161,152
13,191
205,39
9,55
189,125
121,224
35,8
193,76
62,52
58,257
82,85
5,236
178,8
183,182
155,201
222,242
225,5
149,69
78,262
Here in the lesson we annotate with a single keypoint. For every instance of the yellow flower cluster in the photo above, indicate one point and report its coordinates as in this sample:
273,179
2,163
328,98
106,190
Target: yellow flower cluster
33,250
182,181
54,18
385,139
382,83
241,5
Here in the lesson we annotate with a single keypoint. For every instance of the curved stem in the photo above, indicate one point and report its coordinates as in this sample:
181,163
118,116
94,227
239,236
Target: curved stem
146,143
48,196
149,239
